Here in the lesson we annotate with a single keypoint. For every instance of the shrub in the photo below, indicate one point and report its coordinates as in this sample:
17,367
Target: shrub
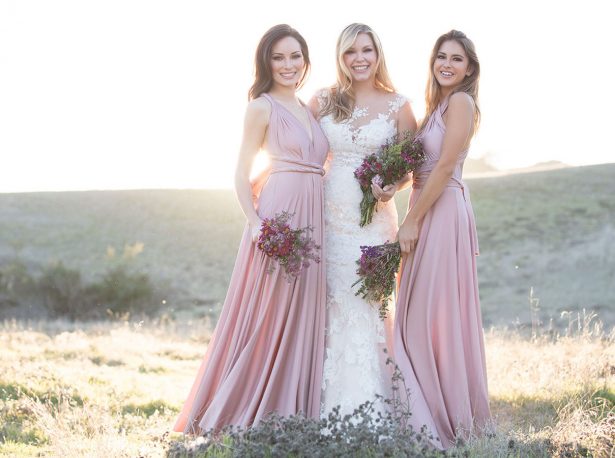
62,291
15,282
121,292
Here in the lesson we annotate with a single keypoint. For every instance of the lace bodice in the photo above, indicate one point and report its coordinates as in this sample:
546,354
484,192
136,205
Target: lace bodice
362,134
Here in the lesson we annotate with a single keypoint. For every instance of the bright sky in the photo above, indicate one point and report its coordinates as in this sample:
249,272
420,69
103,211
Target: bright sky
151,94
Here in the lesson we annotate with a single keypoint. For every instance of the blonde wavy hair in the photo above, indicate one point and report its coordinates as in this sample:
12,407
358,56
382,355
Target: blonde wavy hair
340,98
469,85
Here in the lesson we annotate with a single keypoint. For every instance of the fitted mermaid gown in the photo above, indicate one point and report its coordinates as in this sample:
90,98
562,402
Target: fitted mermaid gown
355,368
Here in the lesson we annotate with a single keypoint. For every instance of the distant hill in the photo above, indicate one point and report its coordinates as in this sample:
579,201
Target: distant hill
552,230
477,166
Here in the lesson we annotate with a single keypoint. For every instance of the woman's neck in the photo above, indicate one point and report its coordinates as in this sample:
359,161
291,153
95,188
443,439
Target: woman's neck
445,92
284,94
364,87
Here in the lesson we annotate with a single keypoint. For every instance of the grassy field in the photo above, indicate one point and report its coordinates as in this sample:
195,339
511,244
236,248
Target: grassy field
114,390
552,231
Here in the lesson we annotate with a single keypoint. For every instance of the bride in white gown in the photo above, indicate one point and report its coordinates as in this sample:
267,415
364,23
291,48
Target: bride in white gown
358,115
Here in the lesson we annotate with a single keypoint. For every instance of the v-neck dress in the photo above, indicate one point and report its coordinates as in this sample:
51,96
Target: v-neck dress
438,338
266,353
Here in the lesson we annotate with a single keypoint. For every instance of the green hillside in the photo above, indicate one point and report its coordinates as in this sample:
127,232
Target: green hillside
553,231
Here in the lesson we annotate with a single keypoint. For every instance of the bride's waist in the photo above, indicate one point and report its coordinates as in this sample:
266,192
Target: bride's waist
349,158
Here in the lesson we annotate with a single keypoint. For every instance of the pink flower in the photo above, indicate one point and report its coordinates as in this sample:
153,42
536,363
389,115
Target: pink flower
291,248
377,180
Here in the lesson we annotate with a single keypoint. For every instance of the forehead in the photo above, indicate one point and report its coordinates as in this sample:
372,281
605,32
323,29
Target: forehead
451,47
286,45
363,39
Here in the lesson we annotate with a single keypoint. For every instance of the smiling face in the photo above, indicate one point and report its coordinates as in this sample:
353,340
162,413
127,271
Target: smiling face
287,63
451,66
361,58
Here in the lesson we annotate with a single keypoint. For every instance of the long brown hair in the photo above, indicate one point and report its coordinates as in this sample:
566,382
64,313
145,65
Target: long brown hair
263,78
469,85
340,99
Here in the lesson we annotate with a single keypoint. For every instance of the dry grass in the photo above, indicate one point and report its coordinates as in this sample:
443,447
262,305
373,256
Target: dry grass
103,389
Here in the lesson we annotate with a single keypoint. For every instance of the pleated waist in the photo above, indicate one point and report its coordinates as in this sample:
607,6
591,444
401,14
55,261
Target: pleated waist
279,165
418,183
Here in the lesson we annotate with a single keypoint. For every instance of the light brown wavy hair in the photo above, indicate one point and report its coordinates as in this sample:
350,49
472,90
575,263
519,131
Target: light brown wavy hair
469,85
263,77
340,98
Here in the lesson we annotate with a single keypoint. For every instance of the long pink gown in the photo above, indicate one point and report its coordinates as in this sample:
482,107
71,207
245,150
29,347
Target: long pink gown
438,334
266,353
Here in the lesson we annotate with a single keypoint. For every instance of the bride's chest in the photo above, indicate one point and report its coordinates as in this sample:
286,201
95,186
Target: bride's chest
355,138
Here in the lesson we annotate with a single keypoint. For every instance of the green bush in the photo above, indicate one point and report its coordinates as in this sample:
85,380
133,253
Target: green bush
121,292
15,282
62,291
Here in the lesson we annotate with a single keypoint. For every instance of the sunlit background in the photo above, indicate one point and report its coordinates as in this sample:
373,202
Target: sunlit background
151,94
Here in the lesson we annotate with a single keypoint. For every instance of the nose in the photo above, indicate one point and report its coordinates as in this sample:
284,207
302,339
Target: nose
288,63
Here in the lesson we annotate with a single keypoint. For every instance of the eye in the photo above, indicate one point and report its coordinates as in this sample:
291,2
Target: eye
349,52
277,57
458,59
297,56
368,50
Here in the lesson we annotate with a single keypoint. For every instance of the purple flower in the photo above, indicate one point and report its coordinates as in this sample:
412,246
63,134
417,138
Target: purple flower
378,266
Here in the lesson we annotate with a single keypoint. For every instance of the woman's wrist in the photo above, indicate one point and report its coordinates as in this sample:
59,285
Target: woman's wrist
410,219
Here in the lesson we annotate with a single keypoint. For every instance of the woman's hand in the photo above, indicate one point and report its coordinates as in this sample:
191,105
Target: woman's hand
384,194
408,236
255,229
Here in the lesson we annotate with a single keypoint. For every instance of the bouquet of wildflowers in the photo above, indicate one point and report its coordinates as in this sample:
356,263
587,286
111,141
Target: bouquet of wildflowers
394,160
378,266
292,248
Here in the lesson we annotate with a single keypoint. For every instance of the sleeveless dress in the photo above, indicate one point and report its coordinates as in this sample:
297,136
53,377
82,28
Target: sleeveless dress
438,340
266,353
355,367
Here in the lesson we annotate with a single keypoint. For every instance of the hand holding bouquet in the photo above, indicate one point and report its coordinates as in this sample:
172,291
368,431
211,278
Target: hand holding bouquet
378,266
395,160
292,248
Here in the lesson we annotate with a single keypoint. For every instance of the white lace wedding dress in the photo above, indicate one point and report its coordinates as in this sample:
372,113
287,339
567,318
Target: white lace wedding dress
355,368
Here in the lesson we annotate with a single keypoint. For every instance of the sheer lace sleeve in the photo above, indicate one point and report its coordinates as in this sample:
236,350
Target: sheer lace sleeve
395,104
321,96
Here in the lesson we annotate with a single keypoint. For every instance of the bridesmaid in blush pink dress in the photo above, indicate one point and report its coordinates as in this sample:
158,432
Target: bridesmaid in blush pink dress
266,353
438,334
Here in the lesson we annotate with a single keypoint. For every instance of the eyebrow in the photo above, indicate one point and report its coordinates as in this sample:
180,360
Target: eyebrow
452,55
281,53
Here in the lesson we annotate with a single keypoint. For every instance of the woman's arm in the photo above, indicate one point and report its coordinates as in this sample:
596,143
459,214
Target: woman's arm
459,127
256,121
